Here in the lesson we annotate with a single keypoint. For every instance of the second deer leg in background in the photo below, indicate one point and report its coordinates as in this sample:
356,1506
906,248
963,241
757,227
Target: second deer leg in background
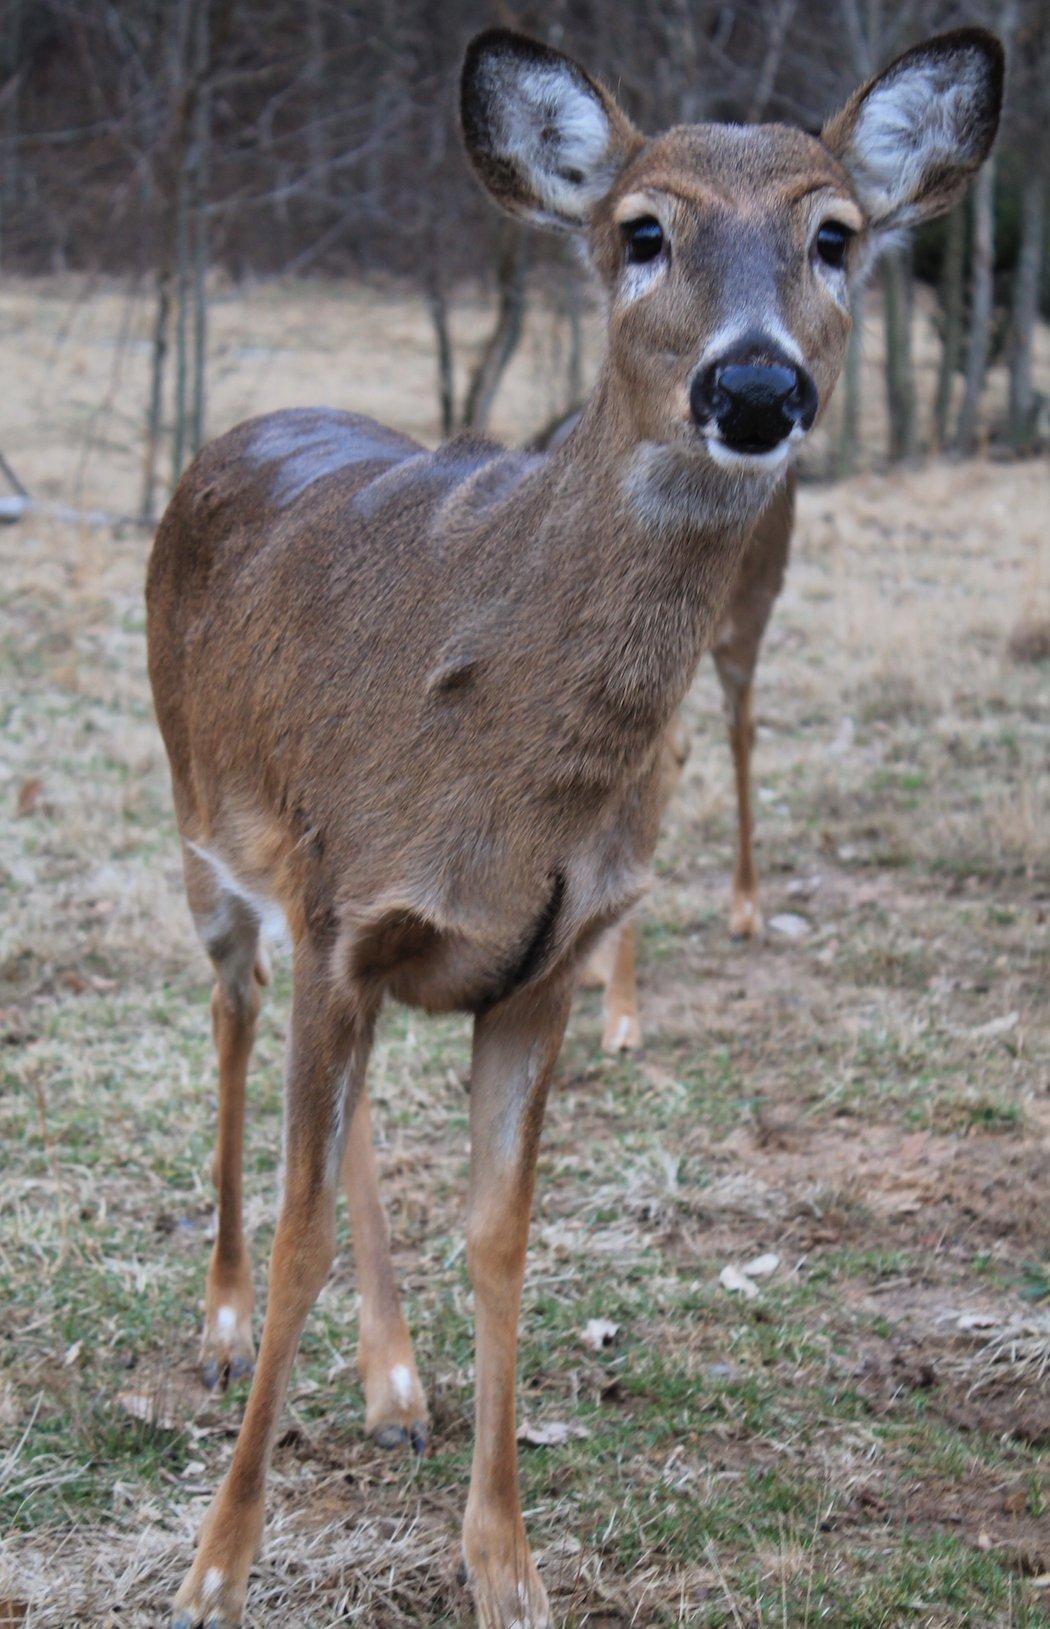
395,1407
735,653
612,964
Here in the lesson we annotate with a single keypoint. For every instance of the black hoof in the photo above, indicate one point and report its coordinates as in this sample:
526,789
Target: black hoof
390,1436
241,1368
417,1436
211,1374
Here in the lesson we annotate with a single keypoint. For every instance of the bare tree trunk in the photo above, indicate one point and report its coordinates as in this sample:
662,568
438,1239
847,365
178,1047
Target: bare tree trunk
776,37
506,335
437,304
951,294
1026,308
182,302
849,429
900,379
10,73
574,361
158,363
199,217
314,74
171,204
980,338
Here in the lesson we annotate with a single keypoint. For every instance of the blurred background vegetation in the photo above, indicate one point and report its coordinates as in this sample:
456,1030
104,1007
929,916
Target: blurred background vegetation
181,146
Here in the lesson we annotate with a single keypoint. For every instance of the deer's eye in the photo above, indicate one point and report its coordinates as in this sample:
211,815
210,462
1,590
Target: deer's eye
832,241
644,239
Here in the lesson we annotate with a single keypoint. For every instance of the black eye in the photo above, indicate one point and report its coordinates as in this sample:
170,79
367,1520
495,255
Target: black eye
832,241
644,239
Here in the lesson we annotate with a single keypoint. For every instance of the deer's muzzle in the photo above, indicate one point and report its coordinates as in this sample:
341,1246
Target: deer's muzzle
752,398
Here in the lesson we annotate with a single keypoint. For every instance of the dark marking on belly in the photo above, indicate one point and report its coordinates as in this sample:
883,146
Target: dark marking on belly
536,951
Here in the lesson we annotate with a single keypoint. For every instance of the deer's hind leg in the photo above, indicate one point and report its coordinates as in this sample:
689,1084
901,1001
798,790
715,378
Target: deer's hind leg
613,963
395,1405
229,930
735,653
745,918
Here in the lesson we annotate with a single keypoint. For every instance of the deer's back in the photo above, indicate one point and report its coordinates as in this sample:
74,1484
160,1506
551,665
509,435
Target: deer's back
299,562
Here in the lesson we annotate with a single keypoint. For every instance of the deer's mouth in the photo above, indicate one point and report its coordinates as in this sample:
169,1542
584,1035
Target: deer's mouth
760,457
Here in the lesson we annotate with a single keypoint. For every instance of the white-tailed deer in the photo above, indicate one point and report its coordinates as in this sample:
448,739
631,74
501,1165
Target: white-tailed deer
417,701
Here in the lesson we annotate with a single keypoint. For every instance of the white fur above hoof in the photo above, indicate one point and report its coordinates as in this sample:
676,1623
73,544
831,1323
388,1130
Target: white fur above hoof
622,1033
745,919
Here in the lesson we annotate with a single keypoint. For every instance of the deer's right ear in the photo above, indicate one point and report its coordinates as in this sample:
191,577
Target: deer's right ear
912,138
546,140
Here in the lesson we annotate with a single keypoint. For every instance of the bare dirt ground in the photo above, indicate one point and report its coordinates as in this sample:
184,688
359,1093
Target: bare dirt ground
861,1442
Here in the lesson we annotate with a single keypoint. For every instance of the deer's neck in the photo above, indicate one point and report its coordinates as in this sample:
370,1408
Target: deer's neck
641,553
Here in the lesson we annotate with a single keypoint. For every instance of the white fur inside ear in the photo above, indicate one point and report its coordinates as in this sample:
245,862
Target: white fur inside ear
556,131
924,117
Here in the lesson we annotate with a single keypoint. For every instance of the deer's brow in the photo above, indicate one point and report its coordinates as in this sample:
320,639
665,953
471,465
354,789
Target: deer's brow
688,194
807,189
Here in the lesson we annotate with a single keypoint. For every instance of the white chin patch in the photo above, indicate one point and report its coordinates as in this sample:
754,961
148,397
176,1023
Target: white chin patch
763,463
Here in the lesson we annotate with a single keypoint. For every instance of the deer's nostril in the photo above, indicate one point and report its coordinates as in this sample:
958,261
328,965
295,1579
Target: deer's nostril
706,400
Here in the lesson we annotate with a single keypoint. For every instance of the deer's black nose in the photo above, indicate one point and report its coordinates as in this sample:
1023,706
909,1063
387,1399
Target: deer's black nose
753,402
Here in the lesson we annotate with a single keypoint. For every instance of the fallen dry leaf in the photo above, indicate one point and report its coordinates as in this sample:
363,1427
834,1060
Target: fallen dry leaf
550,1433
599,1333
977,1320
28,796
732,1279
998,1026
140,1406
789,925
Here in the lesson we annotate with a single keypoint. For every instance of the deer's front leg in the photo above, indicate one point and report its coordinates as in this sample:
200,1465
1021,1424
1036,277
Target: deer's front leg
326,1065
515,1047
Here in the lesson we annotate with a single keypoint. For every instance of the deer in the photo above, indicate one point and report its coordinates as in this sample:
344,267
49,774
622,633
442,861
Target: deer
416,703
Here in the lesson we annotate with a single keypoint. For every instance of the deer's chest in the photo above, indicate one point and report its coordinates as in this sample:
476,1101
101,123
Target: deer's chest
482,920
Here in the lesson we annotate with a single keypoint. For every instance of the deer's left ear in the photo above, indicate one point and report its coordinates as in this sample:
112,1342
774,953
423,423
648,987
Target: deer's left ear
911,139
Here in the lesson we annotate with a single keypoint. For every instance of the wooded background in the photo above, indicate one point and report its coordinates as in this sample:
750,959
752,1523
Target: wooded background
170,143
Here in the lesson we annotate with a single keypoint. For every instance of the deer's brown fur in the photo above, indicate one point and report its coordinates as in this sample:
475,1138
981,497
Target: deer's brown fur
417,704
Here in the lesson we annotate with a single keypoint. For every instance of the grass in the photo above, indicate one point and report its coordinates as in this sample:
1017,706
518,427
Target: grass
869,1102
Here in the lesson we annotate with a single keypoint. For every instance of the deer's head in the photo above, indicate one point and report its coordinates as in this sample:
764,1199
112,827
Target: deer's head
727,252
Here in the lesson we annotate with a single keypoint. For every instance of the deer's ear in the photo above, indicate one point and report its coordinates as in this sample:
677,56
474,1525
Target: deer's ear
546,140
912,138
